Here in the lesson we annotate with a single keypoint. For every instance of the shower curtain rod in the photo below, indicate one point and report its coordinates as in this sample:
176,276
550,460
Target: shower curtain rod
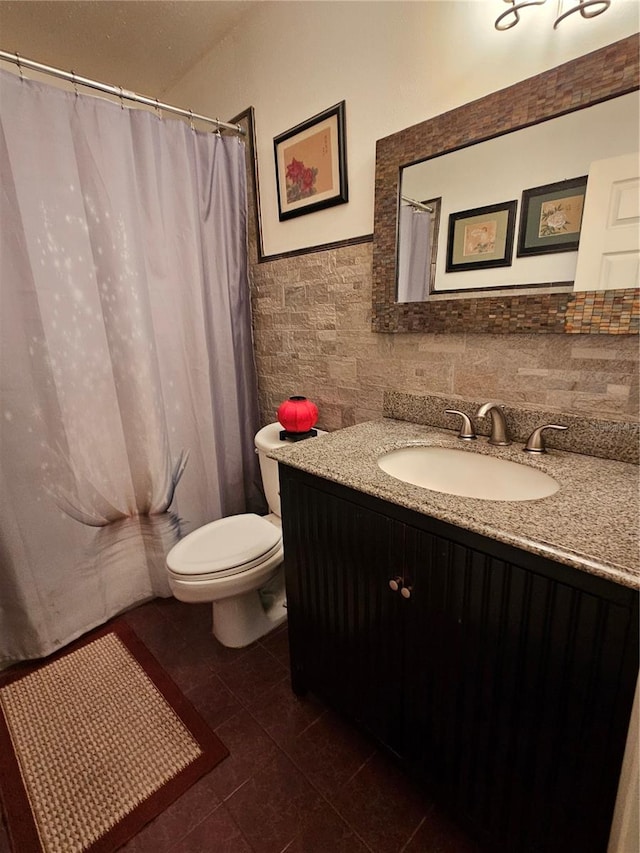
417,204
117,91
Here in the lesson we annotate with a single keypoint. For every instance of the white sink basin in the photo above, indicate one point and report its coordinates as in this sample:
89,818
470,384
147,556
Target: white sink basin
468,474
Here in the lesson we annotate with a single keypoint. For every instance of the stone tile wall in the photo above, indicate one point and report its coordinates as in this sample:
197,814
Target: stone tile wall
312,332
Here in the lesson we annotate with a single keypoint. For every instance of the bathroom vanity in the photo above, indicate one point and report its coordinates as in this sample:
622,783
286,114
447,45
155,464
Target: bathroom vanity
491,646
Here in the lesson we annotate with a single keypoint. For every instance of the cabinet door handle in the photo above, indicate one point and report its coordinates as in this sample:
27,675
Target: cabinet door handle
395,584
405,592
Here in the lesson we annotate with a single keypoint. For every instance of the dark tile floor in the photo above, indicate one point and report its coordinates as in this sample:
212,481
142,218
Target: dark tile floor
298,778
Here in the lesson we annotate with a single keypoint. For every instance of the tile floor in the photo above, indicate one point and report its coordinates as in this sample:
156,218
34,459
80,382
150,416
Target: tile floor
298,778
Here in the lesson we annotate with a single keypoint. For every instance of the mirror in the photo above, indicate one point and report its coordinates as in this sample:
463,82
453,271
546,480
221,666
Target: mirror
561,94
552,152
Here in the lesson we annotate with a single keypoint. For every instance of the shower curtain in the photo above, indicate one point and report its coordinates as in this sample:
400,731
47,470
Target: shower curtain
127,383
414,254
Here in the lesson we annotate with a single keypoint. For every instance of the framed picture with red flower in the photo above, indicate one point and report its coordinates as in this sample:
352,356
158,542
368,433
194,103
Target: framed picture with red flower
311,164
551,217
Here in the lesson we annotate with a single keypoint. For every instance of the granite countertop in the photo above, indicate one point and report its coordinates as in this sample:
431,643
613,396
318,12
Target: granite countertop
590,523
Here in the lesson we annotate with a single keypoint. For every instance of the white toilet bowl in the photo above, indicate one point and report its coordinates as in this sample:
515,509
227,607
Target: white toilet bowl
228,562
236,563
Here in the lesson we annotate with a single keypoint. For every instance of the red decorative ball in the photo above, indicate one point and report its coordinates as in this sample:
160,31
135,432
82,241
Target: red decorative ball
297,414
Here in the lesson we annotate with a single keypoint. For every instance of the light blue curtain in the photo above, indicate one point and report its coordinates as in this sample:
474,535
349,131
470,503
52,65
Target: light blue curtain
128,392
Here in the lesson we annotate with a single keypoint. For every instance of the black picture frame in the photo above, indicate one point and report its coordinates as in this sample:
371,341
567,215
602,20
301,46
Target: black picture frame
491,246
311,164
562,201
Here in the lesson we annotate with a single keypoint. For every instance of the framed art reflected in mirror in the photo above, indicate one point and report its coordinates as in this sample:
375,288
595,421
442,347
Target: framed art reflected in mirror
481,238
551,217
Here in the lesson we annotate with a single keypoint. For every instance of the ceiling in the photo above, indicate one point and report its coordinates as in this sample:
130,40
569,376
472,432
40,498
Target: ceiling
143,45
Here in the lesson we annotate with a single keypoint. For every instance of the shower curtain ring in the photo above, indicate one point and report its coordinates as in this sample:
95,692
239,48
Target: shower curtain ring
121,97
74,81
191,120
158,110
218,131
18,63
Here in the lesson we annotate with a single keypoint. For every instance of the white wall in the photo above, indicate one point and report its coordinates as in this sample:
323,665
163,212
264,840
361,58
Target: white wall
394,63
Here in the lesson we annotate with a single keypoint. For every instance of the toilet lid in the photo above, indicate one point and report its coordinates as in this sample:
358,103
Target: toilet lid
234,543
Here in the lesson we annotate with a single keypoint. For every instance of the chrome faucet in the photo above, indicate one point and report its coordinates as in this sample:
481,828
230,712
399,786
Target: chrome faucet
498,435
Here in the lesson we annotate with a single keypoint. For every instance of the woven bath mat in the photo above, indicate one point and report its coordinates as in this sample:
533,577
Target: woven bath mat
94,744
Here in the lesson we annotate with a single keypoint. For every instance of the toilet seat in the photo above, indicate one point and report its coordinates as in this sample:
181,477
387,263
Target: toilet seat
225,547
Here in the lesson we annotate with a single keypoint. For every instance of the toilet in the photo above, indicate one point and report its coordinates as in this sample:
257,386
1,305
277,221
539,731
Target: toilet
236,562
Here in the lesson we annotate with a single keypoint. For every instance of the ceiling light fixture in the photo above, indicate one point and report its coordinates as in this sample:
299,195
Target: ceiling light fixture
587,9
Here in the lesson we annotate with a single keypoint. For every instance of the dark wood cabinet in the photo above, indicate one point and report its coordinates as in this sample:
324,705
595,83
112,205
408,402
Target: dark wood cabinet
500,679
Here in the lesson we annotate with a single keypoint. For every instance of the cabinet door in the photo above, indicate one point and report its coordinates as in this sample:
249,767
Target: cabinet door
434,661
518,691
344,633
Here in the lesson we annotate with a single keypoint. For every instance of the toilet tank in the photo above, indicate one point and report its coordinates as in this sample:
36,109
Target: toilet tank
268,438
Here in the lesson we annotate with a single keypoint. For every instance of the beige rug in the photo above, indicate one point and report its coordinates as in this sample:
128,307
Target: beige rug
94,744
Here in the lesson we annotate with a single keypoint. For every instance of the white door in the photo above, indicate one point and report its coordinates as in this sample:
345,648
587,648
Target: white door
609,253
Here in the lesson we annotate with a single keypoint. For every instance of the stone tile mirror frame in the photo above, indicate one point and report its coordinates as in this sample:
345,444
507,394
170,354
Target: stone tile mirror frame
598,76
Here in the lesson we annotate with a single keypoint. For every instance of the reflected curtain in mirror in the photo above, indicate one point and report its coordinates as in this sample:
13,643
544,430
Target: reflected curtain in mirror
414,253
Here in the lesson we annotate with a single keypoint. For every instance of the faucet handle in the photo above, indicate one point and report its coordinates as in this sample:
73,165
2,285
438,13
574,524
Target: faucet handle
467,433
535,443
